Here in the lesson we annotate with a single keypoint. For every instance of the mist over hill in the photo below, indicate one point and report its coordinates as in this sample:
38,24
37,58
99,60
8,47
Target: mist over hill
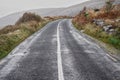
69,11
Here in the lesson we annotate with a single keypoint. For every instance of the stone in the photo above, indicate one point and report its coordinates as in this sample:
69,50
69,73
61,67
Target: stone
107,28
98,22
117,20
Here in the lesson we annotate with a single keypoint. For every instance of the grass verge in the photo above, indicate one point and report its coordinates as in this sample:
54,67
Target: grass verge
110,42
11,36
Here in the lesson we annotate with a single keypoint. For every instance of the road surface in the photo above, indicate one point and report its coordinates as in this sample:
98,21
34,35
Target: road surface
59,52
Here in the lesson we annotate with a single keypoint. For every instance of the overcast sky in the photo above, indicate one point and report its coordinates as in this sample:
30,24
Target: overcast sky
11,6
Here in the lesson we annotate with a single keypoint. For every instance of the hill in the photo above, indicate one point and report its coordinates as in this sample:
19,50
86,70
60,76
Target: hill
69,11
12,35
102,24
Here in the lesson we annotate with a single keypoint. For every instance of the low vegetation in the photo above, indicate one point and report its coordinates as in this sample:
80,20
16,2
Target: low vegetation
57,17
12,35
102,24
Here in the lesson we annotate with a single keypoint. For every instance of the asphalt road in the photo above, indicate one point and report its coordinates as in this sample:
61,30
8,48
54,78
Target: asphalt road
59,52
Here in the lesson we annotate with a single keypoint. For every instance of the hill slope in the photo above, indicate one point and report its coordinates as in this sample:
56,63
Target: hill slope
70,11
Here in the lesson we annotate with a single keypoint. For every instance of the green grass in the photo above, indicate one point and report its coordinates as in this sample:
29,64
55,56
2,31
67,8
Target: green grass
98,33
10,37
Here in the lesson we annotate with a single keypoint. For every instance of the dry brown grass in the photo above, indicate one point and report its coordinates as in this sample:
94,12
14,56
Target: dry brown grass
12,35
29,17
111,15
83,22
81,18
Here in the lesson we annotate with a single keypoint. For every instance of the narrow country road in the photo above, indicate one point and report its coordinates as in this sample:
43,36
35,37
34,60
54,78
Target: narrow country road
59,52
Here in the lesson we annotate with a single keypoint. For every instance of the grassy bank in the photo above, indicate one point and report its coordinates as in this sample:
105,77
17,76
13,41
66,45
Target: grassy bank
102,24
13,35
111,41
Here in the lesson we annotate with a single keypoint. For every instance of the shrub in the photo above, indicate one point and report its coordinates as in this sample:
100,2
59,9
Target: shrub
12,35
29,17
9,28
109,5
112,15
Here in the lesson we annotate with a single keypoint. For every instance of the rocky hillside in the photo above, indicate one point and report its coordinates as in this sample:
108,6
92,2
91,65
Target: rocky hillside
69,11
103,23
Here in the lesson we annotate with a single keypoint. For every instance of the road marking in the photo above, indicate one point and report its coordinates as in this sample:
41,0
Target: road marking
59,58
111,57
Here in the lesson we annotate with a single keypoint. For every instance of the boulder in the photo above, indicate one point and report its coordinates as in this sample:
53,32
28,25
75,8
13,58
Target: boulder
117,20
99,22
107,28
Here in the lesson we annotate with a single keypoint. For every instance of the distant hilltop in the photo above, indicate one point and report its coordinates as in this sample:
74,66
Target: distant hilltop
69,11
